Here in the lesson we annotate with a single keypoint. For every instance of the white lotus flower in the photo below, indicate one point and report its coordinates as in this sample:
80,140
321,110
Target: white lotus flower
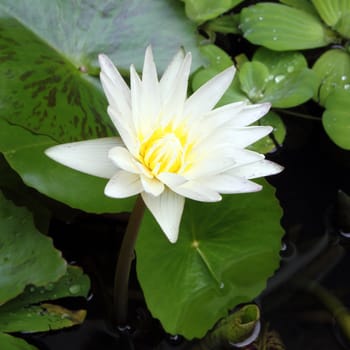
171,146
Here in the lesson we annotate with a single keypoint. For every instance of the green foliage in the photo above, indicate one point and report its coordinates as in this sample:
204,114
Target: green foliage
233,329
227,24
336,120
30,311
33,272
333,70
335,13
50,93
9,342
200,11
26,256
224,255
280,27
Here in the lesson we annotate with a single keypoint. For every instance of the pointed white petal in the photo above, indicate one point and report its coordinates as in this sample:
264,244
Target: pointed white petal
214,159
123,159
136,89
127,134
214,120
169,78
167,210
257,169
207,96
152,185
174,96
243,137
249,114
123,184
231,137
197,191
222,115
116,89
89,157
226,183
150,93
233,115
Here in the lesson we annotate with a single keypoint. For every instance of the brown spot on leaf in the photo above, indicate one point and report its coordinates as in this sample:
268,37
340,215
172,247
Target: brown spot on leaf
51,98
26,75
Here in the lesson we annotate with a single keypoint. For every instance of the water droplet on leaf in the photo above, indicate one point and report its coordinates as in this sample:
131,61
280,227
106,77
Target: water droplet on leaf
74,289
279,78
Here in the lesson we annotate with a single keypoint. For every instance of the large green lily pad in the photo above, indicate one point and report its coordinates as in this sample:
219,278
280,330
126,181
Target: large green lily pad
225,253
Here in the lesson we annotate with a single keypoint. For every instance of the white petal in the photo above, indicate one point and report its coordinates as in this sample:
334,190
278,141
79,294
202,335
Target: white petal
195,190
171,180
235,137
226,183
214,159
257,169
123,184
152,185
249,114
116,89
169,78
167,210
246,136
150,93
90,157
123,159
127,134
219,116
174,97
233,115
207,96
136,89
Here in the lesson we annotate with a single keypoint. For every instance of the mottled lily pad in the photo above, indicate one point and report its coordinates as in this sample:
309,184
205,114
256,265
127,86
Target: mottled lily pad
50,93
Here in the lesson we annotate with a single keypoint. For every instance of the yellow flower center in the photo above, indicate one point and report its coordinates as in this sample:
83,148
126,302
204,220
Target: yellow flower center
164,150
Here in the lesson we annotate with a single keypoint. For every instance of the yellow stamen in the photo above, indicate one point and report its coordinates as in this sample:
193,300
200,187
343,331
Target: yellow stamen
164,150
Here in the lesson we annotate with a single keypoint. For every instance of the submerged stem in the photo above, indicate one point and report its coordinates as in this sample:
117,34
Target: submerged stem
297,114
126,255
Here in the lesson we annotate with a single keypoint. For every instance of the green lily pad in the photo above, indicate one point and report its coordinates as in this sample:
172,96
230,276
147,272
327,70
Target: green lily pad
26,256
200,11
304,5
9,342
30,311
51,95
333,70
286,81
253,77
333,13
225,253
336,118
281,28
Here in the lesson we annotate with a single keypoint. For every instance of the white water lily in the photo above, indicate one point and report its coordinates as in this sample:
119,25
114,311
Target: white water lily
171,146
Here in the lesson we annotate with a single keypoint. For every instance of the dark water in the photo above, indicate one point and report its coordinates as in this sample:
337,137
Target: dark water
315,254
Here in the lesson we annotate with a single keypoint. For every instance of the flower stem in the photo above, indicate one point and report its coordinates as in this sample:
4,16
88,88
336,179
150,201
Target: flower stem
126,256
